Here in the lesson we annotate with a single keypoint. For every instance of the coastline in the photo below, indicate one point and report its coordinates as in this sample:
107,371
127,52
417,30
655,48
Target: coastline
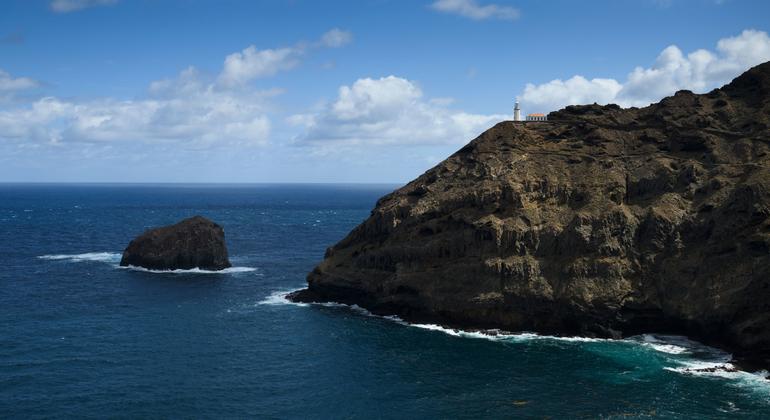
738,361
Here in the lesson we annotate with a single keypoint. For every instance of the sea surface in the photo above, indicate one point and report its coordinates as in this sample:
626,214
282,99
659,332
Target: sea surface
81,337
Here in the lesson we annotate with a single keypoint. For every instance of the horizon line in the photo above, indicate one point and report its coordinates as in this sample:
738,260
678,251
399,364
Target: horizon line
193,183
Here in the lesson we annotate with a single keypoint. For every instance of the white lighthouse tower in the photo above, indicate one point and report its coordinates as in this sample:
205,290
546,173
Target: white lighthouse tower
516,111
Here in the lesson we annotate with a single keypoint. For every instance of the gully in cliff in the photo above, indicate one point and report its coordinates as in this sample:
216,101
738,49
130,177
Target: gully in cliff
192,243
604,222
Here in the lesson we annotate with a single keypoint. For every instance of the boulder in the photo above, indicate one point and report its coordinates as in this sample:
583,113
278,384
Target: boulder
192,243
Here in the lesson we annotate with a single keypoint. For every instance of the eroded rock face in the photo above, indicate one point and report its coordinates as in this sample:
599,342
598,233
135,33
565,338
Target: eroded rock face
602,221
192,243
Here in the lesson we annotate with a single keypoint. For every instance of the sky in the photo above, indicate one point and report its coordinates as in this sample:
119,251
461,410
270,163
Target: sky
314,91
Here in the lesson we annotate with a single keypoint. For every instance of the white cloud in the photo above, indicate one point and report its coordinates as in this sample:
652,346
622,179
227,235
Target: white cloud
473,10
388,110
186,109
699,71
66,6
336,38
251,63
9,83
575,90
208,118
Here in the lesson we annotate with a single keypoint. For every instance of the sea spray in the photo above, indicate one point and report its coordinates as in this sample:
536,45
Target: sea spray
109,257
114,257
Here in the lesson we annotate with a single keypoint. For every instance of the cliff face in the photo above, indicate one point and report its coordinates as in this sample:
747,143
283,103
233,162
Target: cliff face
602,221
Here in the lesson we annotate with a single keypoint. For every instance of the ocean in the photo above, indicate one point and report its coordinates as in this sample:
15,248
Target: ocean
82,337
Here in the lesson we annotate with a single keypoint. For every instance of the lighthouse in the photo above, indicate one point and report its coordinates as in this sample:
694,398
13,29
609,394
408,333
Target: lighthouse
516,112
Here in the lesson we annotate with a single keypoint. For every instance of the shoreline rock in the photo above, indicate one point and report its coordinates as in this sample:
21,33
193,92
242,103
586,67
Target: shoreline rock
602,222
192,243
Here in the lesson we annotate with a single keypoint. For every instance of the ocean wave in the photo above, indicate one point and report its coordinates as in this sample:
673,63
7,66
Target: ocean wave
280,298
671,344
754,381
500,335
689,357
110,257
230,270
114,258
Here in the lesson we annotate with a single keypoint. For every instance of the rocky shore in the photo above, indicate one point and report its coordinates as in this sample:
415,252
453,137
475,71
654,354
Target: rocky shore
602,222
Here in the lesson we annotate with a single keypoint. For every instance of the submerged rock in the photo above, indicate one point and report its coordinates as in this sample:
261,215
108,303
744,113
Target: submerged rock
192,243
602,222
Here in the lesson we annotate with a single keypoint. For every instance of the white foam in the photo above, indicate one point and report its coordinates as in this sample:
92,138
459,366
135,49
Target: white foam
697,368
666,348
114,257
710,359
754,381
279,298
88,256
662,343
492,335
691,358
671,344
676,346
499,335
575,339
696,356
230,270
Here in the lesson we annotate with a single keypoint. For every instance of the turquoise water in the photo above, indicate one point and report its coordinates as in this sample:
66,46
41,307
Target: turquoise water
81,337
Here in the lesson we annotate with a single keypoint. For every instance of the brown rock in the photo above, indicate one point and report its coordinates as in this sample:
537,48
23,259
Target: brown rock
192,243
602,222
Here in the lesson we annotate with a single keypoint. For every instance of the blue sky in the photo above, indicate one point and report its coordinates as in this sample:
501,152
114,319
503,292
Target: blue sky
332,91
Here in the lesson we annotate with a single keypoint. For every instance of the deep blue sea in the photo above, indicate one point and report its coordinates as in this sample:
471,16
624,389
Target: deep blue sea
81,337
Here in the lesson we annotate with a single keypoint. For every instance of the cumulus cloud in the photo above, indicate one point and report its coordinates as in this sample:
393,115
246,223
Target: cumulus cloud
699,71
183,110
336,38
11,86
575,90
473,10
66,6
9,83
385,111
187,109
251,63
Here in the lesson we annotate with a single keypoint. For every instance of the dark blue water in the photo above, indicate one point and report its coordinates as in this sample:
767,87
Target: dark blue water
80,337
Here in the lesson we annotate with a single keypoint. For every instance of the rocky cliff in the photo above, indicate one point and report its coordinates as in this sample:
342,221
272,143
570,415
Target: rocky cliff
192,243
602,221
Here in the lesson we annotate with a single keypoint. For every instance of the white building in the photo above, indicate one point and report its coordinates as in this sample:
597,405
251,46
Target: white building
516,112
537,117
530,117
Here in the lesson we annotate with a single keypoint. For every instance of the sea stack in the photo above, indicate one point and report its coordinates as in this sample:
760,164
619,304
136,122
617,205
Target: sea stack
601,221
192,243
